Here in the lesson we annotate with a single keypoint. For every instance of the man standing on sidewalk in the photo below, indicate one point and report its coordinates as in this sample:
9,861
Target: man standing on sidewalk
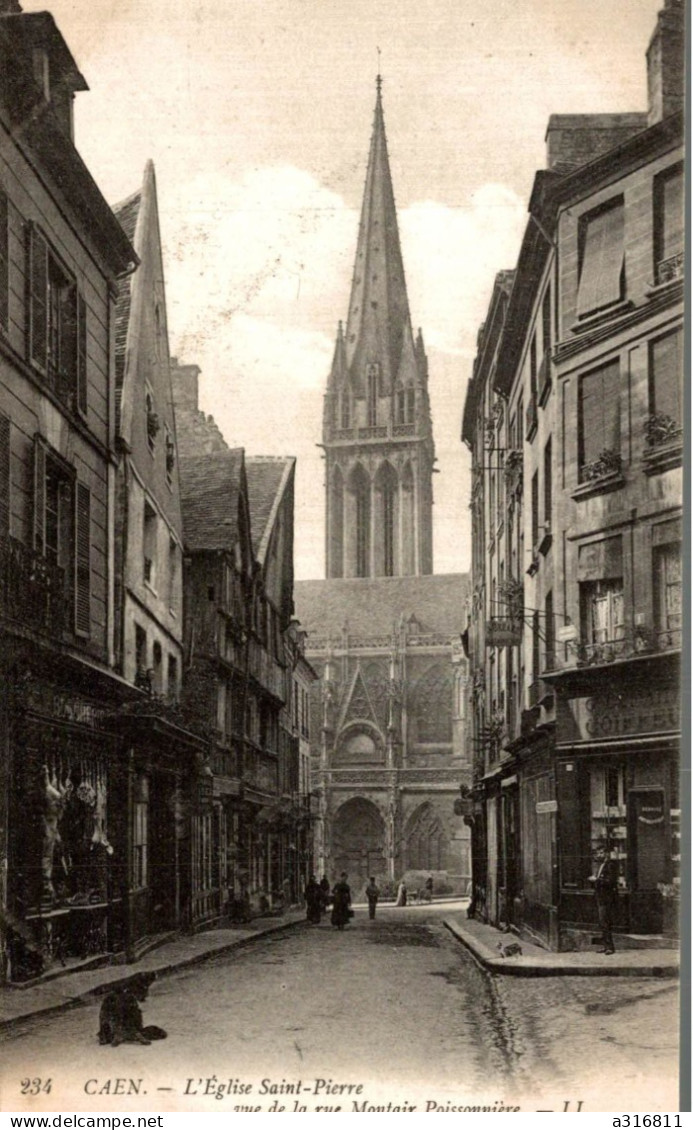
605,880
372,894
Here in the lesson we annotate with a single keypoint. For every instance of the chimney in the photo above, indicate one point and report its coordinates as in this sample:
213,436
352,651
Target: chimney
666,63
184,380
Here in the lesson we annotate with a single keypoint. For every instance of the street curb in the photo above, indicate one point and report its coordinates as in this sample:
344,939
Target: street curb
133,968
511,967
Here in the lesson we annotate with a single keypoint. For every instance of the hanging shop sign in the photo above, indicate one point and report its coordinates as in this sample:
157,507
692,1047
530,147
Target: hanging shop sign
546,806
503,631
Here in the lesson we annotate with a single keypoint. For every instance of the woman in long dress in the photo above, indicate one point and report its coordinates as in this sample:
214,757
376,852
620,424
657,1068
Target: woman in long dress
401,894
341,902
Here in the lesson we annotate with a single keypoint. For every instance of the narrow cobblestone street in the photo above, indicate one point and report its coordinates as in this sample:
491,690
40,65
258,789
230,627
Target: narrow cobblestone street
396,1005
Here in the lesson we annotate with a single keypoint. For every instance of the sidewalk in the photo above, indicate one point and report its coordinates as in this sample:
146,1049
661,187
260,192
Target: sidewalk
482,942
18,1005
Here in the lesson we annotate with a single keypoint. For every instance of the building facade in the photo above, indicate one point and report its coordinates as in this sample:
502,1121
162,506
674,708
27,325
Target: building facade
383,631
575,428
164,759
62,851
241,655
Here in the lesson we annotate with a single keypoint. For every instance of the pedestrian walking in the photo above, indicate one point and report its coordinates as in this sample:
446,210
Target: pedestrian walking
605,881
428,889
325,892
313,901
401,894
372,894
341,902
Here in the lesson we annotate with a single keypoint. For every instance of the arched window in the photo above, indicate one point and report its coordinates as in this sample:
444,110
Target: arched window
408,528
433,705
405,405
360,488
345,408
336,529
387,524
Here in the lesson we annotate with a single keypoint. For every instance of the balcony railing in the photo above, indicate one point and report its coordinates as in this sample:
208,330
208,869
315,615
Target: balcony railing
375,431
643,641
32,590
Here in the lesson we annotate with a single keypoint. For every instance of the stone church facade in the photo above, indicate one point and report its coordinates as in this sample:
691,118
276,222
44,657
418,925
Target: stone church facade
384,631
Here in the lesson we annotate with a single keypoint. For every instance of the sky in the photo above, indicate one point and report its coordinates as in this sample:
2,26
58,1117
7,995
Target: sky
258,114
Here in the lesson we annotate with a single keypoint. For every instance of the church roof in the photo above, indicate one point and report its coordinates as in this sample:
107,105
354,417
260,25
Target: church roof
209,486
267,477
378,324
375,606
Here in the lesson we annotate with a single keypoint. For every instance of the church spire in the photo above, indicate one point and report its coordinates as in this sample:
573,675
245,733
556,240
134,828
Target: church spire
377,433
378,323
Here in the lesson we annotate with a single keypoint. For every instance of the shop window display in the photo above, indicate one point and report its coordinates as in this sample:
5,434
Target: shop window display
608,815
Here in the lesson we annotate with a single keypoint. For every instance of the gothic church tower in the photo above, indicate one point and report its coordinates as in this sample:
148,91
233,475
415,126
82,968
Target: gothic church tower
377,432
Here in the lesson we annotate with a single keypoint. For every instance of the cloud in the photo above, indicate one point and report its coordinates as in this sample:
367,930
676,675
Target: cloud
258,271
452,256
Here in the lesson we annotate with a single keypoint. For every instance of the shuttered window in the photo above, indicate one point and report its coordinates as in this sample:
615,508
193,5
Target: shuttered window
82,559
599,421
668,223
666,376
56,324
39,495
4,476
602,259
37,286
81,355
4,262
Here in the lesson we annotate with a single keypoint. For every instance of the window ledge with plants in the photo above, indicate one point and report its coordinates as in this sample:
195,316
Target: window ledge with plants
664,440
601,475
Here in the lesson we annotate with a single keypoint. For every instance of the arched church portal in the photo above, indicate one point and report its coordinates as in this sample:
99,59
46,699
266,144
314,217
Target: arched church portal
358,842
425,840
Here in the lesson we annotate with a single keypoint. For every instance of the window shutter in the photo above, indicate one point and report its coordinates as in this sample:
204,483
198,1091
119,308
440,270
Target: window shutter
81,354
4,476
672,220
37,283
4,263
602,261
67,369
590,417
82,560
39,495
666,362
600,413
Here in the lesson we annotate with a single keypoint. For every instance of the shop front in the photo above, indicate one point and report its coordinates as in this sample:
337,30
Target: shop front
167,826
65,851
617,780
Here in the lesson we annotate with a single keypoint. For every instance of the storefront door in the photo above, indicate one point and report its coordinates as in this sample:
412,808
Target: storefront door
647,858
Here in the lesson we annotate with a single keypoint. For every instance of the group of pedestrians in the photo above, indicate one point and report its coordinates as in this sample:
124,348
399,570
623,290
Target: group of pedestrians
319,898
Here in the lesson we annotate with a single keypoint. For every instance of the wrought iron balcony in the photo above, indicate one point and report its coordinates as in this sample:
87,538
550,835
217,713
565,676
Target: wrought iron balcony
643,641
32,590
